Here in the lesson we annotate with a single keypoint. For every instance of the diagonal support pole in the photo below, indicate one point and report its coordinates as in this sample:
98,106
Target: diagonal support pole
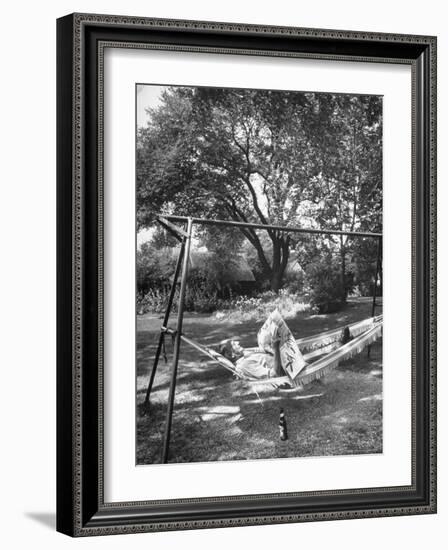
164,324
177,341
176,231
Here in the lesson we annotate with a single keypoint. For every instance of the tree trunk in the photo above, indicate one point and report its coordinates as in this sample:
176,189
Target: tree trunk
280,258
280,255
276,280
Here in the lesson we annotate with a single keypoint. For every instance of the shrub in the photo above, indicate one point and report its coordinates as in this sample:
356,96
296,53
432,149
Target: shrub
327,292
258,308
197,298
294,281
154,267
201,299
155,301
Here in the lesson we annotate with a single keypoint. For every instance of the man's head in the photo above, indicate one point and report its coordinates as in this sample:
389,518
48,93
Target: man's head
231,349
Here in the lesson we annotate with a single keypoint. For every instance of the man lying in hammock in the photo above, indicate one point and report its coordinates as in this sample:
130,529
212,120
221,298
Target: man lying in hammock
277,354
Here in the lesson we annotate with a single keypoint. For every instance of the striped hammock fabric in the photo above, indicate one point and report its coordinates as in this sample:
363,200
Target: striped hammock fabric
319,368
331,360
325,338
212,354
364,333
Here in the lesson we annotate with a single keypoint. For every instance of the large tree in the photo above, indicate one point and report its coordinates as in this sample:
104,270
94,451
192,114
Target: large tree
351,179
258,156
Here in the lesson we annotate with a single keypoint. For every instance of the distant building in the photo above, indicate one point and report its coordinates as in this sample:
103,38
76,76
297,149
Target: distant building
240,274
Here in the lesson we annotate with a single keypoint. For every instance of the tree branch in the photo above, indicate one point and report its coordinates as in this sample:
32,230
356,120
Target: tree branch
246,179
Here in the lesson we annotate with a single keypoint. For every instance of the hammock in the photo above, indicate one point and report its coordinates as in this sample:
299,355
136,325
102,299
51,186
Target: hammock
319,368
364,333
323,339
329,337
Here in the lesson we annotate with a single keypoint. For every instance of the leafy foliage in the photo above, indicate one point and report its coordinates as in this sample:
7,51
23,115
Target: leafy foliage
327,291
265,156
155,268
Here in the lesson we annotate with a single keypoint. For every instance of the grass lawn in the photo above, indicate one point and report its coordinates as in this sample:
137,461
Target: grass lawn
219,418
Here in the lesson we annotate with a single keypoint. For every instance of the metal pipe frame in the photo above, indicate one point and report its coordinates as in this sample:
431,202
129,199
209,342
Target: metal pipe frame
164,324
280,228
173,229
184,257
377,272
177,342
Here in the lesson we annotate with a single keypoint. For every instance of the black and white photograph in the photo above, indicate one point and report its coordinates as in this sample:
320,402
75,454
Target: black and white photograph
258,274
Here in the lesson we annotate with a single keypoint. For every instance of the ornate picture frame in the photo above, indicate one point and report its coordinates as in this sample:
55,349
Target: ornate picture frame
81,506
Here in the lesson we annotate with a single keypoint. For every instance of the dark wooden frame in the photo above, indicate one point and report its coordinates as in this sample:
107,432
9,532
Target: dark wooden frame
81,39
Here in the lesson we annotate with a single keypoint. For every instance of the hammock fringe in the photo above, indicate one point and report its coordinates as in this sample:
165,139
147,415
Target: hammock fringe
320,368
311,343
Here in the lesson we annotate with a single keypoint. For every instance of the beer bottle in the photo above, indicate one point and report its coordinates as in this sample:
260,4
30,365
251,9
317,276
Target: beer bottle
282,426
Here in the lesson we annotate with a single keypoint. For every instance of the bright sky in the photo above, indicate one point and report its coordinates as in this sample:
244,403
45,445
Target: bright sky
148,95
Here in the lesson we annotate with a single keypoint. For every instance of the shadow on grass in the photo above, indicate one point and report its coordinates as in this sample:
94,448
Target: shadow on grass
219,418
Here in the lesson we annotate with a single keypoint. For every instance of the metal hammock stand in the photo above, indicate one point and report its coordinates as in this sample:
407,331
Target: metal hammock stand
181,269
